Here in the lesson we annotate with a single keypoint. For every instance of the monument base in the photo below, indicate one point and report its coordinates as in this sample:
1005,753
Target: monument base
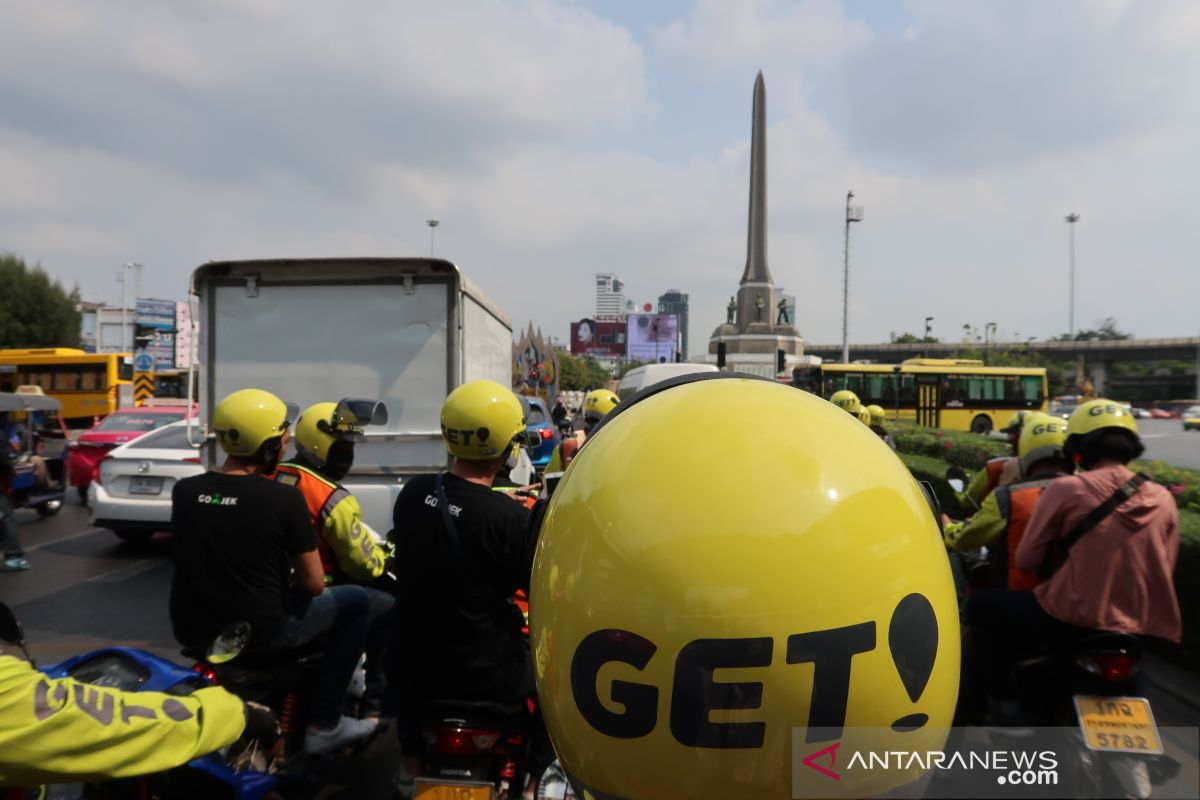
757,351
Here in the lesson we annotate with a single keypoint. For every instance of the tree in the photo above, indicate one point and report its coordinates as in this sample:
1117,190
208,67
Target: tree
1105,331
35,311
912,338
580,373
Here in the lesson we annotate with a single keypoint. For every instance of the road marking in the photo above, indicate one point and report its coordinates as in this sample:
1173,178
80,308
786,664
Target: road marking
81,534
124,573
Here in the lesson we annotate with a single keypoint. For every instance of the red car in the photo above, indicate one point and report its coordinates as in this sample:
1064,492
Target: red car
116,429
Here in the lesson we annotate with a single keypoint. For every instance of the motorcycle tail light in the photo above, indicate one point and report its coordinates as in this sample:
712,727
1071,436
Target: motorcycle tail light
546,433
509,770
465,741
206,672
1112,667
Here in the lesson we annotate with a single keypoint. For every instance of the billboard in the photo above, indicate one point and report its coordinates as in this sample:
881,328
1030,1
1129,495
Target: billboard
155,314
598,338
185,337
652,337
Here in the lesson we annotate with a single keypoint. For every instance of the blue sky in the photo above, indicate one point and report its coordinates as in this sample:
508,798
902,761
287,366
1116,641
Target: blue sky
555,140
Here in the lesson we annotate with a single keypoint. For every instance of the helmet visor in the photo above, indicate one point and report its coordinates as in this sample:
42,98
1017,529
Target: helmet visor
350,416
291,414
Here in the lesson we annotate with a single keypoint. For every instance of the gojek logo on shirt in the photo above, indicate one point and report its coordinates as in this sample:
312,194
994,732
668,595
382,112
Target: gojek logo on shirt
216,500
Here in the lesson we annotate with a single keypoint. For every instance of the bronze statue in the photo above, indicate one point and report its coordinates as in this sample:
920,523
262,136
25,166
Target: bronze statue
758,304
730,310
783,318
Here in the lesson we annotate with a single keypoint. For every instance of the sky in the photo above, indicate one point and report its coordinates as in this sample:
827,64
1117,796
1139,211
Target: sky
557,140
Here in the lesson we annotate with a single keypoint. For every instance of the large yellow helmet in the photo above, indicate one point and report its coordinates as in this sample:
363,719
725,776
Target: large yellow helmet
598,403
846,400
1096,414
480,419
878,415
248,418
1042,437
695,643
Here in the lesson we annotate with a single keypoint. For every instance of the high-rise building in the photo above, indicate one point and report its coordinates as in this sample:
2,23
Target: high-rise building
676,302
610,294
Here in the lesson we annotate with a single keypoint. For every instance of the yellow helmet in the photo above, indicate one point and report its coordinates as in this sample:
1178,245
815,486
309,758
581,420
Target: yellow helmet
598,403
325,423
248,418
1017,421
1042,437
878,415
1096,414
822,585
864,416
846,400
480,419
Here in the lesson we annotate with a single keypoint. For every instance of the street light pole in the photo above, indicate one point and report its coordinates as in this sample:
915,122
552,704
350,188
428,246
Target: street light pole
432,223
988,330
1072,218
853,214
928,329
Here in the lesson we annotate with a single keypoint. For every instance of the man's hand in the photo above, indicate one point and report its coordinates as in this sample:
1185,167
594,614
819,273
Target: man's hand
519,493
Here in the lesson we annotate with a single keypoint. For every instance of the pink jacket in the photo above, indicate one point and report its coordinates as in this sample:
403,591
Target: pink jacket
1118,575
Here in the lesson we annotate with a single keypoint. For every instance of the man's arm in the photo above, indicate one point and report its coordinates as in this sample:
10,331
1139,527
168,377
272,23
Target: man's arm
357,552
1045,525
984,528
54,731
301,542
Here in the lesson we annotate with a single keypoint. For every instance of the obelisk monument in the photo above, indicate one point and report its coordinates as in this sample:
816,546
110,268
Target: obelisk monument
756,332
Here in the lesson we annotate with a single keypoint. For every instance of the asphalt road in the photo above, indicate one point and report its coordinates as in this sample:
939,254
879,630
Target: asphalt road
87,589
1166,439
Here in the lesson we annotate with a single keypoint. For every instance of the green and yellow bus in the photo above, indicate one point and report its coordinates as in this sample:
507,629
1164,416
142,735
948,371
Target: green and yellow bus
956,394
87,384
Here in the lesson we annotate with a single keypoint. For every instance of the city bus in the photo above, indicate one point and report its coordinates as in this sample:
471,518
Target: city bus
87,384
956,394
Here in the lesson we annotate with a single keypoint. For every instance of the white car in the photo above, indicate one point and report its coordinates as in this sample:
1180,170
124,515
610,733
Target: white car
131,495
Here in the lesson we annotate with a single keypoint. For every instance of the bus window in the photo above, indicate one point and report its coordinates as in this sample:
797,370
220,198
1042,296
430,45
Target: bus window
1031,389
66,379
807,378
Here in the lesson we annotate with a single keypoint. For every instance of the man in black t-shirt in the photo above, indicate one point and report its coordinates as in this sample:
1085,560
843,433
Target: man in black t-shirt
462,551
238,539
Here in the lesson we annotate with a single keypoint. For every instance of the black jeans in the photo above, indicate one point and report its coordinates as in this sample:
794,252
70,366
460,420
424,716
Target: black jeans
1005,625
9,538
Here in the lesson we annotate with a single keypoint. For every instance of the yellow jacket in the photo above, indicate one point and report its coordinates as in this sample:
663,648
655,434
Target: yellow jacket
345,545
55,731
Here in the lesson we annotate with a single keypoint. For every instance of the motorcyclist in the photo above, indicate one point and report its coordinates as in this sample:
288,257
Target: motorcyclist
10,539
998,471
597,404
1115,575
1007,510
462,551
877,419
683,639
61,730
237,536
325,437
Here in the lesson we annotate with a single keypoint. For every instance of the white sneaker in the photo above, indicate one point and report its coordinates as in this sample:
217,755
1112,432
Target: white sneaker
348,729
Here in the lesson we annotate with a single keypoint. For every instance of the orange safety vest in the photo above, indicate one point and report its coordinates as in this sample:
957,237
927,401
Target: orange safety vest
995,466
320,495
1016,503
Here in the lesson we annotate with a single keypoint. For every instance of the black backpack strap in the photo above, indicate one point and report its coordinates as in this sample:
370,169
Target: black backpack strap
1056,555
439,491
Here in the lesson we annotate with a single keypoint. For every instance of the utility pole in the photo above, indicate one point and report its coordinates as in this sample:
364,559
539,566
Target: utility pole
928,329
853,214
1072,218
432,223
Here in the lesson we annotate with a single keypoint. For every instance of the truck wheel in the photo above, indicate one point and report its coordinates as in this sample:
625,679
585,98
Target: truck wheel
49,508
133,536
981,425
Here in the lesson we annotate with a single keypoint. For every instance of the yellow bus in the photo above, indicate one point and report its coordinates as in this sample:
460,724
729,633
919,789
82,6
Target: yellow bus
87,384
956,394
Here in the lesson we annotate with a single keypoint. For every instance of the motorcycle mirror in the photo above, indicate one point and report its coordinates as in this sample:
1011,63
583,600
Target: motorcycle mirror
230,642
530,439
956,484
10,629
361,412
955,472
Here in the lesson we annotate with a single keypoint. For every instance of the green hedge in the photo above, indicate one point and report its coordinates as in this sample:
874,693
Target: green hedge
1187,569
967,450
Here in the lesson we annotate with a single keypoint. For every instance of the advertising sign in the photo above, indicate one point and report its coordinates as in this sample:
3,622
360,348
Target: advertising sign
185,337
155,314
652,337
598,338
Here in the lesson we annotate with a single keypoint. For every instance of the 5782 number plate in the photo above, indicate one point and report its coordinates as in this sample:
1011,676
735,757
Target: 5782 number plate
1118,724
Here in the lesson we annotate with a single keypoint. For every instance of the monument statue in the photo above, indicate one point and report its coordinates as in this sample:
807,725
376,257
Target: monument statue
782,318
758,306
730,310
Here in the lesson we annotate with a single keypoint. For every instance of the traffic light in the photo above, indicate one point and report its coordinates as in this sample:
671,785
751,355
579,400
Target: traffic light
720,355
780,360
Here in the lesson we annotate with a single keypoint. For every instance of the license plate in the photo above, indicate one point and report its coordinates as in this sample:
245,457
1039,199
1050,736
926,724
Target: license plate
1118,724
145,485
424,789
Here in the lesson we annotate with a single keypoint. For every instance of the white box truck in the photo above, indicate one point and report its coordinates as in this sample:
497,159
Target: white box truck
404,331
